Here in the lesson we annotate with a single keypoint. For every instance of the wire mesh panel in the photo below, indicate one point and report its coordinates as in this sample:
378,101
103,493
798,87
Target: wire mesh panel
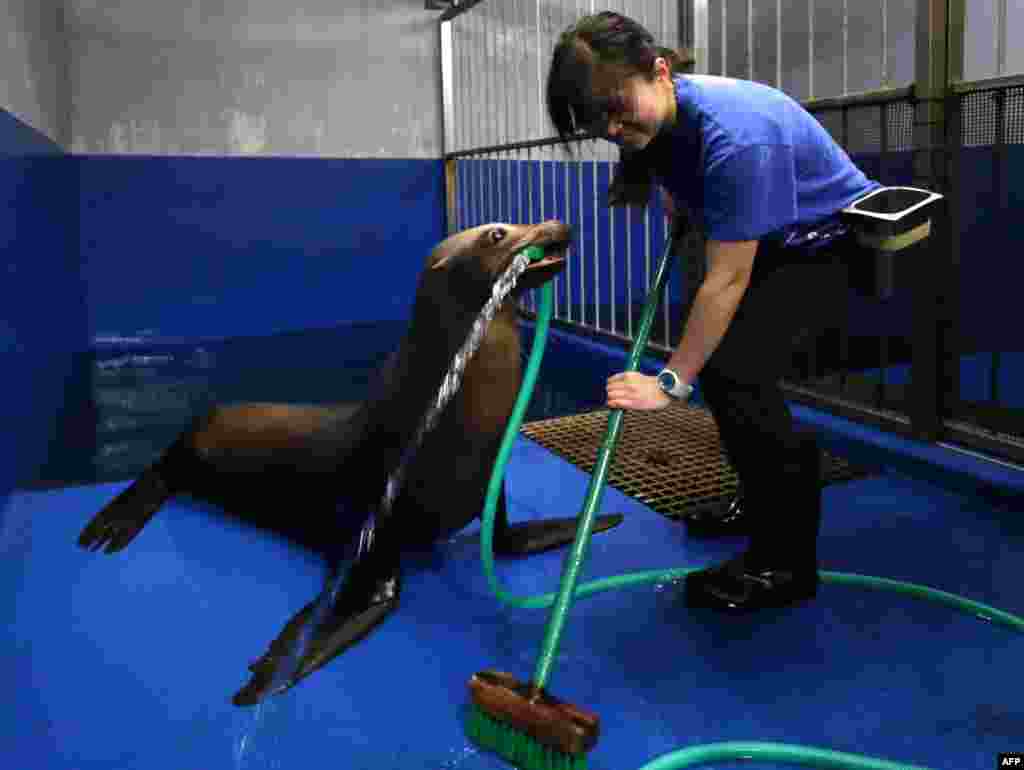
900,121
979,118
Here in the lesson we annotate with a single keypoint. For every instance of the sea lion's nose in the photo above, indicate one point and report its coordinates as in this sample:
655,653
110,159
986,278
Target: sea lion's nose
560,229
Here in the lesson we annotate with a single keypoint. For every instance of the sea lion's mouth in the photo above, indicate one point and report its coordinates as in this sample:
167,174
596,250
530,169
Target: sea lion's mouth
547,267
546,261
554,255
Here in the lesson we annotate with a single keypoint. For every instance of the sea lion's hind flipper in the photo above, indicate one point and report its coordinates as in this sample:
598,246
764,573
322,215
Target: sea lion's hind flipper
367,598
530,537
118,523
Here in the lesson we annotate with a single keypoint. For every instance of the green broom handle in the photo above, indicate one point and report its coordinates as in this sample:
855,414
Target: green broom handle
577,555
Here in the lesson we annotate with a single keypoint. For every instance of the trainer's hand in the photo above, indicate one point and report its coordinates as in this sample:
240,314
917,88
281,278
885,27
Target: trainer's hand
634,390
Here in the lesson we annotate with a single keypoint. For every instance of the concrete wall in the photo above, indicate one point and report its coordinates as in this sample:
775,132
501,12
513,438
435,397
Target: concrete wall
34,65
323,78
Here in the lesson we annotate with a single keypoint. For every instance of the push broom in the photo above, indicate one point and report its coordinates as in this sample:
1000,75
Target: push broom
521,721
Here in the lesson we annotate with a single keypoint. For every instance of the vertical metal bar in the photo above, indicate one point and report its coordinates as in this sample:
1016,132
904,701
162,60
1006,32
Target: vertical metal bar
583,288
629,274
725,39
480,215
613,303
700,36
931,341
477,118
956,21
464,111
519,123
810,49
529,183
495,96
750,39
463,107
518,165
885,43
459,47
448,129
846,47
504,60
594,231
464,188
1000,21
568,266
494,99
448,125
778,44
540,79
478,123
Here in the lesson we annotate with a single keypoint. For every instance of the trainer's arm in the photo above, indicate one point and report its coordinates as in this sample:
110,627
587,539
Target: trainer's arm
729,267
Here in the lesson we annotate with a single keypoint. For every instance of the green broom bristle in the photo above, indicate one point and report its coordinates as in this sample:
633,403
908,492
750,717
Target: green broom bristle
517,747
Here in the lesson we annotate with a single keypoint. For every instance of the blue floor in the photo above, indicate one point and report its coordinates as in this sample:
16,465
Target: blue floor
128,662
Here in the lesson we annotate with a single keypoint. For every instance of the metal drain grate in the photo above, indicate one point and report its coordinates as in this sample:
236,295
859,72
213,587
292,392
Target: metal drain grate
670,460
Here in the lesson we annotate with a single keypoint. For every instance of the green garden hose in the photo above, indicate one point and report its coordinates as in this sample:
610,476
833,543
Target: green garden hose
568,591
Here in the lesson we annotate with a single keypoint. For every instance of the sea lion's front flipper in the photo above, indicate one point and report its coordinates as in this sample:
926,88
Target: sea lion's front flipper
121,520
370,593
530,537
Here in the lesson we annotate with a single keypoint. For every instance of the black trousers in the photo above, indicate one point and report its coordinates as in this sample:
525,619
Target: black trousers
792,298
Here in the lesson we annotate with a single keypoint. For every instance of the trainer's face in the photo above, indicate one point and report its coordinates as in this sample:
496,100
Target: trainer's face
638,106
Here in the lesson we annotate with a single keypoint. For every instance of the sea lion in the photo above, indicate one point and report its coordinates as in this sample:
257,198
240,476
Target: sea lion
257,460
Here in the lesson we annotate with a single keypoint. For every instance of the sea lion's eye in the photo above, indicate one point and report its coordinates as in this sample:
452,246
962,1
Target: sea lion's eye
498,235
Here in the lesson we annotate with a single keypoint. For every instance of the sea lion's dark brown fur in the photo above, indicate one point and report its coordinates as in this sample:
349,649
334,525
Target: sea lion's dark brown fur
316,473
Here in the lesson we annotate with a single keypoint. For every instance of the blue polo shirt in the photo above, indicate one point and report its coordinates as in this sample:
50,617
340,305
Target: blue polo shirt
751,162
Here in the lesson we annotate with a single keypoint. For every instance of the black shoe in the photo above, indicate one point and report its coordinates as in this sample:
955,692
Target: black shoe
738,587
718,520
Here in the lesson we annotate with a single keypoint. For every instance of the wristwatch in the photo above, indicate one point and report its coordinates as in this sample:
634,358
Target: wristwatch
669,382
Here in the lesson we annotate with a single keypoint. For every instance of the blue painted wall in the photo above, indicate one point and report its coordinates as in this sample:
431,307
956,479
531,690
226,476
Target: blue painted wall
44,323
226,246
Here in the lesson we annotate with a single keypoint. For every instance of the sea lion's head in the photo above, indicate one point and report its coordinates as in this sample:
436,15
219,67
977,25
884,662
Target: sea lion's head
473,259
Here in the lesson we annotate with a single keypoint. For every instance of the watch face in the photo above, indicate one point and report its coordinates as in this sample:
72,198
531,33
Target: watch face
667,381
